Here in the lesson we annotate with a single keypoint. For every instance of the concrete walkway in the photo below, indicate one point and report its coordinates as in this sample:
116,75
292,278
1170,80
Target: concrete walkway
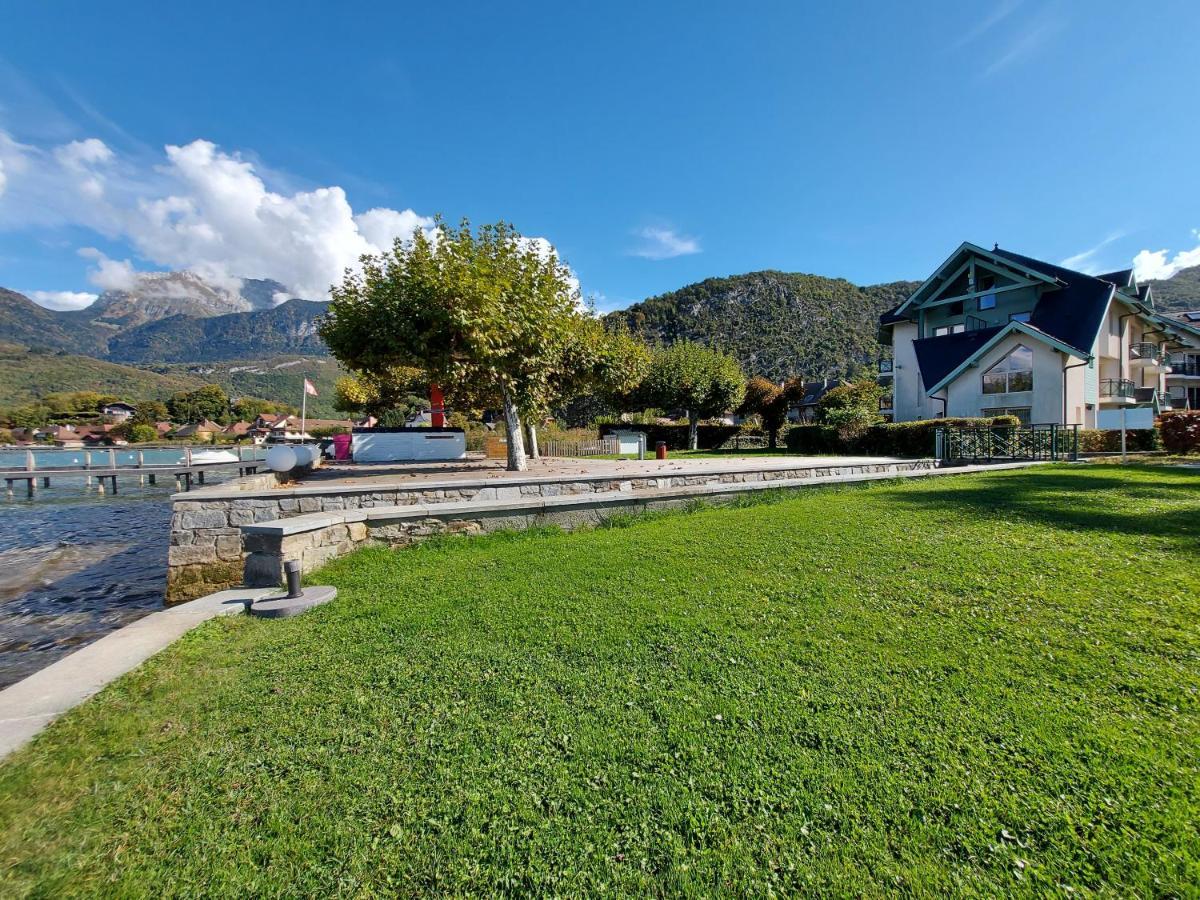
31,704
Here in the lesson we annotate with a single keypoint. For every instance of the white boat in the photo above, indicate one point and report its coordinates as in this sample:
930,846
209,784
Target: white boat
213,456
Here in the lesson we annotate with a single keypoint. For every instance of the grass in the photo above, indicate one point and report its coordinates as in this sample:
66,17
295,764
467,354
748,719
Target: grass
979,685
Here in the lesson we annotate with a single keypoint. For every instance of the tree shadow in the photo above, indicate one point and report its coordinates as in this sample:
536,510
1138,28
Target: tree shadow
1072,500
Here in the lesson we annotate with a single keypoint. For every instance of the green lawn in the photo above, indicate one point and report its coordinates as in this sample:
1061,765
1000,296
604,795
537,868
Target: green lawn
981,685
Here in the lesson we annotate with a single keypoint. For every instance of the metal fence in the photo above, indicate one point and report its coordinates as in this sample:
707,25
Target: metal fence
991,443
577,449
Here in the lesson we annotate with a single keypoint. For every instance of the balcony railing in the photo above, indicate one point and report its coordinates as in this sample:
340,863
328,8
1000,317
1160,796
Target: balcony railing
886,403
1181,365
1117,388
885,366
1145,351
1165,400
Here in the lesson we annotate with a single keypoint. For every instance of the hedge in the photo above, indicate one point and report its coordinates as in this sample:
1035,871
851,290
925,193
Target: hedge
889,439
1108,440
1180,431
709,437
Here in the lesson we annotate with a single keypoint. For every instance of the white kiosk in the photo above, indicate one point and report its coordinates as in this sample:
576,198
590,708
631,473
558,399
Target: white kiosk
370,445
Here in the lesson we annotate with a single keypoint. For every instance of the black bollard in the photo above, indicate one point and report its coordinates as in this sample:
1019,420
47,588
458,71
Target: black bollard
291,570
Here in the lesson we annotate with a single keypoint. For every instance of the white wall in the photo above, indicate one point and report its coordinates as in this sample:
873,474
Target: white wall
965,395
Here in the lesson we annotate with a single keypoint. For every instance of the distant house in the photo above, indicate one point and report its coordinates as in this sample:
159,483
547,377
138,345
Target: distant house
287,428
163,428
201,431
806,409
118,412
237,429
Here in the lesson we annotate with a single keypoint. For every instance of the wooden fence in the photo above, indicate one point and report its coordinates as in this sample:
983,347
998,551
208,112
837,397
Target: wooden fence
576,449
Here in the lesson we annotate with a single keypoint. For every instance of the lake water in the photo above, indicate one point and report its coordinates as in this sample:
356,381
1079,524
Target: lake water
74,564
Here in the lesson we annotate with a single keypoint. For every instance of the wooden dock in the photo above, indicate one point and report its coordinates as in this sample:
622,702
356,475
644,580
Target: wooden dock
184,472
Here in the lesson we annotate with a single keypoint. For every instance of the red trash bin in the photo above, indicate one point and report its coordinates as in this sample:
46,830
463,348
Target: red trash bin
341,446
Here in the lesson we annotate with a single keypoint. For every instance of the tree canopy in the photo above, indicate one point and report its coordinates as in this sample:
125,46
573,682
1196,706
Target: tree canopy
699,379
491,316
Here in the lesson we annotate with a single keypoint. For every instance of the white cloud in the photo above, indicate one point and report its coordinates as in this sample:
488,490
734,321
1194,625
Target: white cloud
663,243
1158,264
109,274
62,299
1026,43
1086,261
80,155
204,210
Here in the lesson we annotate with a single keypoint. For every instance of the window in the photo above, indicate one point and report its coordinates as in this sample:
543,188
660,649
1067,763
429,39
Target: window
986,284
955,308
1013,373
943,330
1021,412
1019,317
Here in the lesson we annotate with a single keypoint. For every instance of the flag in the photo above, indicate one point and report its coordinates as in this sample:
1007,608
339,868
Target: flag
308,387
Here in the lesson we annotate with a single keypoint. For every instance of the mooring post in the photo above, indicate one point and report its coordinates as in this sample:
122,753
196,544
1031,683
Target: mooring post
201,476
141,458
30,487
114,483
30,462
152,477
178,481
112,458
100,484
45,481
8,482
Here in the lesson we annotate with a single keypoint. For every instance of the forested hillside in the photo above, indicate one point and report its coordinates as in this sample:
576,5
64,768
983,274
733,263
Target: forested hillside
779,324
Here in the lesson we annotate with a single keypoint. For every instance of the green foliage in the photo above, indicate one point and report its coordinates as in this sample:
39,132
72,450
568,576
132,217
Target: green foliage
140,433
962,686
486,314
1179,292
148,412
690,376
770,402
850,408
781,325
400,390
905,439
208,402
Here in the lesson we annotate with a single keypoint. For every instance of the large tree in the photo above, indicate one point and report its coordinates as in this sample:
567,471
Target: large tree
486,314
770,402
699,379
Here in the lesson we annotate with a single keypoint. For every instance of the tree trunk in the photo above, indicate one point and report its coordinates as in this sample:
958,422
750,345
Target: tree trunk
693,430
516,437
534,453
772,436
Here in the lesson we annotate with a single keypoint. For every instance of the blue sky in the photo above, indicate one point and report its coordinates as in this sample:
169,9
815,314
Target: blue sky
654,144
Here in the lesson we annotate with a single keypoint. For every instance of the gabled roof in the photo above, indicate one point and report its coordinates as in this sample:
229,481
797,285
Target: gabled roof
947,364
965,249
1074,313
1121,278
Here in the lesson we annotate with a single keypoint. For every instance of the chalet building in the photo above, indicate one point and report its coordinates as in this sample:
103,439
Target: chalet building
992,332
1183,379
805,410
118,412
202,431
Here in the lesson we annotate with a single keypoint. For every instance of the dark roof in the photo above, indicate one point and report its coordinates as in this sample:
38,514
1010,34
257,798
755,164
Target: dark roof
1121,278
939,356
815,390
1073,313
890,317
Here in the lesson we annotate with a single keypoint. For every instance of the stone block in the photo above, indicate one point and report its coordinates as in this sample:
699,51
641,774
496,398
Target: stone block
310,504
191,554
289,506
229,546
204,518
357,531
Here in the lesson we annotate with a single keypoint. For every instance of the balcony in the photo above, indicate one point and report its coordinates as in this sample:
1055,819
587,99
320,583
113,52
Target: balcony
1147,356
886,404
886,367
1117,391
1165,401
1184,367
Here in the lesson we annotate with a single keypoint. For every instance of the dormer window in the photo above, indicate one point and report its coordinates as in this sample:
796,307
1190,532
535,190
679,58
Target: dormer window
1012,374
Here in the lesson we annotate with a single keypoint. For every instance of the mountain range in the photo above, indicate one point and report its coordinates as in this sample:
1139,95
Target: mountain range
779,324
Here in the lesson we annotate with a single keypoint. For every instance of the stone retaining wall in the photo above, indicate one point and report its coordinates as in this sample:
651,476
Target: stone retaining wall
206,549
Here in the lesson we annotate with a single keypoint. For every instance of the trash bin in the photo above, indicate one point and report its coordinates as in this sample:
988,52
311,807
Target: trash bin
660,450
341,446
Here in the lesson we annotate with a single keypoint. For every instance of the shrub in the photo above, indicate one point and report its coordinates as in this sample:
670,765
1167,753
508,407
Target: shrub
1101,440
888,439
850,408
813,439
1181,431
141,433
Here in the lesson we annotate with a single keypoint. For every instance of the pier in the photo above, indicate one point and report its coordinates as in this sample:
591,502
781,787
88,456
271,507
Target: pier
186,472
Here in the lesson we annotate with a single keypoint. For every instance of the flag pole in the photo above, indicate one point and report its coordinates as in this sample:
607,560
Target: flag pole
303,406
